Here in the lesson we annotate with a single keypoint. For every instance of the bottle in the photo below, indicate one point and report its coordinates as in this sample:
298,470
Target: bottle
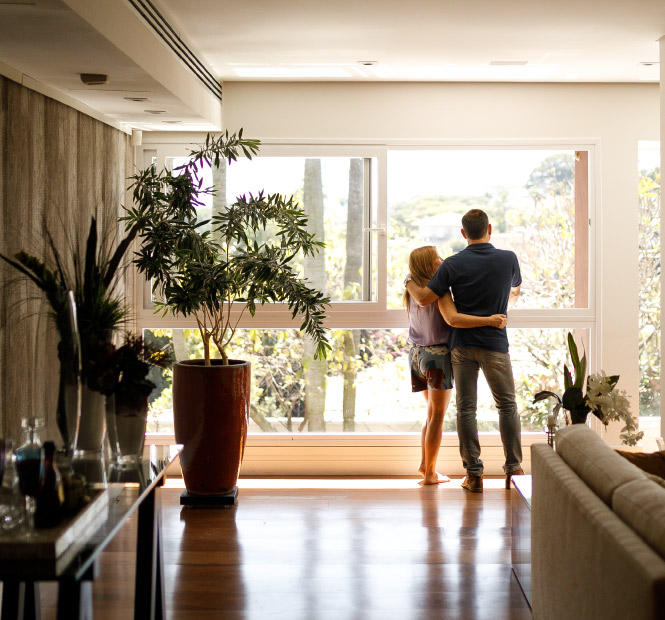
51,496
29,456
28,466
11,500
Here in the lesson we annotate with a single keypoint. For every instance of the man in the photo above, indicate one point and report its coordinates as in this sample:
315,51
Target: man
483,281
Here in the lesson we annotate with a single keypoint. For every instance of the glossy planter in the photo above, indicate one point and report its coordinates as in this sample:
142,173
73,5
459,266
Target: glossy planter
211,414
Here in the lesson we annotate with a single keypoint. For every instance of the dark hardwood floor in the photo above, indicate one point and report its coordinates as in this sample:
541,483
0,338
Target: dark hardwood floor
327,550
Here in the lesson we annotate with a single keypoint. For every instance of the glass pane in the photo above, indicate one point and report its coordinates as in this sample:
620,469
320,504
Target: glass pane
333,191
364,385
529,196
649,266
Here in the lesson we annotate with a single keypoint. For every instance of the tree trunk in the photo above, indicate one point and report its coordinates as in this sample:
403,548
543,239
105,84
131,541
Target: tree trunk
352,282
219,203
315,272
179,345
261,420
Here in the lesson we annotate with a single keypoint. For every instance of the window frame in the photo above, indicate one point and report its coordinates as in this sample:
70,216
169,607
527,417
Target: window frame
375,314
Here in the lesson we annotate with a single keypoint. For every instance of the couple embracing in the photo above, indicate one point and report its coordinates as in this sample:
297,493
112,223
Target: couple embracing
485,283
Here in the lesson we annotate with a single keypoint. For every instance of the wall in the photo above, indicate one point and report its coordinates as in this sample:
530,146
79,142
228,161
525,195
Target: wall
613,116
57,166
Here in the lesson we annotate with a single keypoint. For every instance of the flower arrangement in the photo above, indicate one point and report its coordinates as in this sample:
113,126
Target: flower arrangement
123,371
601,398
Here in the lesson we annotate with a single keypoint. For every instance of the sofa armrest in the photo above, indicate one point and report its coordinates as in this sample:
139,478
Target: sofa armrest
586,563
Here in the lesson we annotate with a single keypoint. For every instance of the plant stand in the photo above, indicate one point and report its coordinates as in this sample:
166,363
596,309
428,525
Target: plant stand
223,500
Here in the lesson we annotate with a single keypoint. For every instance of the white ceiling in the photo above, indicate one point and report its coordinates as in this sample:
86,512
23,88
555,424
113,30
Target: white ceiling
433,40
50,42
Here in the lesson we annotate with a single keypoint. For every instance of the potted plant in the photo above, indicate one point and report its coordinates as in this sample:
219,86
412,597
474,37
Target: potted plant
121,374
204,274
87,309
600,398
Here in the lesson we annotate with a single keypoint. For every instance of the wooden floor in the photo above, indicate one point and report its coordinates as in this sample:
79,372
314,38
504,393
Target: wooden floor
327,550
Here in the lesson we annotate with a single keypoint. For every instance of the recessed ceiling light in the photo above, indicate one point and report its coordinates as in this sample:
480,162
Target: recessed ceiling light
507,63
94,79
291,72
649,63
368,63
172,122
155,111
136,98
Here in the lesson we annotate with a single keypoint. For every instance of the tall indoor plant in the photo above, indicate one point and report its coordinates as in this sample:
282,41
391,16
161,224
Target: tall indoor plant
88,270
204,274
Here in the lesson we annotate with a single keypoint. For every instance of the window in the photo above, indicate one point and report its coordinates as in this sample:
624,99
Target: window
334,192
364,385
529,196
649,312
372,206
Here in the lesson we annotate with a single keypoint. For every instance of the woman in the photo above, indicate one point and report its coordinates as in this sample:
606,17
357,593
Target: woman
429,357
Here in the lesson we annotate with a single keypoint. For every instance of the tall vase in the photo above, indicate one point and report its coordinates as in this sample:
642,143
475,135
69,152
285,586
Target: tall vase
69,393
92,424
130,425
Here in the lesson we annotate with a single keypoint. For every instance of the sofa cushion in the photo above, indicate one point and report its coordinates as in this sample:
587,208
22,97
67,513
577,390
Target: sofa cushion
600,467
587,563
657,479
641,506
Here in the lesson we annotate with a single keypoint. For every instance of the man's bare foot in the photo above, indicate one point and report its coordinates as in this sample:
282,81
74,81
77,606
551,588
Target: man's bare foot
436,478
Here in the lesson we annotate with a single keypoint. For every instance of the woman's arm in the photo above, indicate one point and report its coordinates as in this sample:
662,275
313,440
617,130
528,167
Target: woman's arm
423,296
455,319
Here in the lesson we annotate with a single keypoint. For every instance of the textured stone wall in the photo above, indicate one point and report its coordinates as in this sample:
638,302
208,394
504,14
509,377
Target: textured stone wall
57,167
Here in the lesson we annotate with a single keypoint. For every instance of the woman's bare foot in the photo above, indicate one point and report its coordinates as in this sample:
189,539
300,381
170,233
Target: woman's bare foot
421,470
436,478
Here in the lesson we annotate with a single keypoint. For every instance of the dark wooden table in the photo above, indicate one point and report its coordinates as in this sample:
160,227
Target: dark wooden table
129,489
521,533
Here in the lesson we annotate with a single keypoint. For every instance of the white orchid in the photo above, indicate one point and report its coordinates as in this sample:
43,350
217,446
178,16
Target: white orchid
611,405
601,399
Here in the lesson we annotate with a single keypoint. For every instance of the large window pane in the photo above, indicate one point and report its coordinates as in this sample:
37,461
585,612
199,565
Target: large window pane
335,194
649,266
530,197
364,385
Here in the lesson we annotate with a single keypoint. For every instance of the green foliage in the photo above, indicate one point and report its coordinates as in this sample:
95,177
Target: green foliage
555,176
90,273
195,273
649,309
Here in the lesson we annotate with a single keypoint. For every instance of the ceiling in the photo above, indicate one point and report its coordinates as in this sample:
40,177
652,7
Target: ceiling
47,43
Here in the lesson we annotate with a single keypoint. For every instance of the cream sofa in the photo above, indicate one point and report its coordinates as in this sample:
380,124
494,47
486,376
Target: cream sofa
597,533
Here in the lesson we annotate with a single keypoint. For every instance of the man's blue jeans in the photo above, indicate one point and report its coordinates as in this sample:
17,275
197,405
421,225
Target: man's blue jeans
496,367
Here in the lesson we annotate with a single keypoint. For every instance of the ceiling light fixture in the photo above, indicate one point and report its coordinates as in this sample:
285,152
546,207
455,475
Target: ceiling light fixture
368,63
508,63
155,111
94,79
649,63
137,99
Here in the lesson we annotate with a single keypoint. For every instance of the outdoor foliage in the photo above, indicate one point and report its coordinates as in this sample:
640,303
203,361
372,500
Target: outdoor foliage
649,317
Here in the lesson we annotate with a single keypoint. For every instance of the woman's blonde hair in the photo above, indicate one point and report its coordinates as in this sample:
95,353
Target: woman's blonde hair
421,268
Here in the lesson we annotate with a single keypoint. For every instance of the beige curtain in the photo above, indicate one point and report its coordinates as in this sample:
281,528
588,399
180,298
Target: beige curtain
57,167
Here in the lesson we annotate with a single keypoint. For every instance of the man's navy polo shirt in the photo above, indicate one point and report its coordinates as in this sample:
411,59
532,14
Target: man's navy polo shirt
480,278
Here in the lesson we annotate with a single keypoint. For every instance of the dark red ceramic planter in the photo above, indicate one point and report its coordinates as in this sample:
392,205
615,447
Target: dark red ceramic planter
211,413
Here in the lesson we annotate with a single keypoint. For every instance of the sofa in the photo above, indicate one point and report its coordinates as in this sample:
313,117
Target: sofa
597,533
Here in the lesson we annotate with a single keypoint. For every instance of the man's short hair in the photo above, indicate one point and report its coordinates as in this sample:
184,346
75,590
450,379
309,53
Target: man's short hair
475,223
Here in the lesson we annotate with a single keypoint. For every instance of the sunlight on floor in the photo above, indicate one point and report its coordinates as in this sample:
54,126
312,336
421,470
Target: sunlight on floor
339,483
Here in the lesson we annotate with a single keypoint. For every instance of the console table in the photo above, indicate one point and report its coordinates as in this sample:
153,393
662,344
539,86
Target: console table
521,532
129,489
